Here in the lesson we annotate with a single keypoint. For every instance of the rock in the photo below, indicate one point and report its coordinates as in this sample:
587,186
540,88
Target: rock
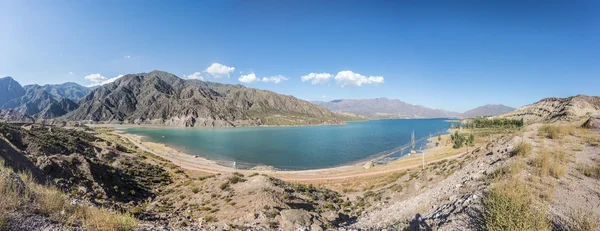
368,165
592,123
296,219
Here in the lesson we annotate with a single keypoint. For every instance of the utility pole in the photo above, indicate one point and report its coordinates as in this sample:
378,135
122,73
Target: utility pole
423,154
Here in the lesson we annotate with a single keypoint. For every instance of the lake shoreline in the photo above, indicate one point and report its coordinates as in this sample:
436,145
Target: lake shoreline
196,162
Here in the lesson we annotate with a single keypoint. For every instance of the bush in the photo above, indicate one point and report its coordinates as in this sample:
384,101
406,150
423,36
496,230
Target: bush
508,206
101,219
522,149
590,171
195,190
555,131
550,163
236,179
224,186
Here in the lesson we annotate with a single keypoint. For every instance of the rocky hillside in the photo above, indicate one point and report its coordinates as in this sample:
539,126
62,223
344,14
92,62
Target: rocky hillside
487,110
163,98
67,90
82,170
558,109
9,89
38,103
384,108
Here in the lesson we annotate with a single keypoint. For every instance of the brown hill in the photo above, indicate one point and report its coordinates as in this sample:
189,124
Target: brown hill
558,109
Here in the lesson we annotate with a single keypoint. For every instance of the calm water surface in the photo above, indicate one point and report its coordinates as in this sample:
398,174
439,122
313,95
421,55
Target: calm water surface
308,147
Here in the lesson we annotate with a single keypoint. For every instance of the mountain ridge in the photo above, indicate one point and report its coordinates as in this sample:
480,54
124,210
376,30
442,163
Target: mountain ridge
384,108
160,97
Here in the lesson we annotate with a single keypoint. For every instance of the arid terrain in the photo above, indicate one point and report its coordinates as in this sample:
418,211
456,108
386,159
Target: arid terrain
542,176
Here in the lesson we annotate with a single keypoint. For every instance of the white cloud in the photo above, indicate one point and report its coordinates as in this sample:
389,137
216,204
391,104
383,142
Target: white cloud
127,56
349,78
323,96
316,78
71,73
98,79
274,79
196,75
218,70
249,78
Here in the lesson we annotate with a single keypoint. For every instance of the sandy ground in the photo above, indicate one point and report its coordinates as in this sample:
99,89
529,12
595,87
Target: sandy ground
192,162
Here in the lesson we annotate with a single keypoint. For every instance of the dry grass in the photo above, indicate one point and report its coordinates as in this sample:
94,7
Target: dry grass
556,131
522,149
584,222
509,206
103,220
51,202
592,171
551,162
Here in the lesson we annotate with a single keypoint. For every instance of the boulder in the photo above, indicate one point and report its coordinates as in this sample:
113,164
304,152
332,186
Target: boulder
368,165
592,123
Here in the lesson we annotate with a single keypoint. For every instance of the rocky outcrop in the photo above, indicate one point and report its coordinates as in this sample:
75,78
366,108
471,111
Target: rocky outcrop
592,123
9,89
162,98
558,109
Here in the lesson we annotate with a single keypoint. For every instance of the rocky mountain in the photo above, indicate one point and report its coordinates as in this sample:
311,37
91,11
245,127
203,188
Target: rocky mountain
487,110
558,109
38,103
384,108
162,98
67,90
9,89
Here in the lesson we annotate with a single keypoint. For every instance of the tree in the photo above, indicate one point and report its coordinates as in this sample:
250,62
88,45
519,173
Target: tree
439,137
471,141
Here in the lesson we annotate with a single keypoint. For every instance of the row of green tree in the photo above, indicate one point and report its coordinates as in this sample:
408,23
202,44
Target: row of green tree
488,123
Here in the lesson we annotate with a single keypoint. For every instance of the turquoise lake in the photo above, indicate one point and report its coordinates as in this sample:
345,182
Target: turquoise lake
294,148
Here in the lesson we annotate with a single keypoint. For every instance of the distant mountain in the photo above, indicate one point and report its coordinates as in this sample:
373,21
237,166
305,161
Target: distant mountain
67,90
162,98
558,109
10,89
384,108
488,110
38,103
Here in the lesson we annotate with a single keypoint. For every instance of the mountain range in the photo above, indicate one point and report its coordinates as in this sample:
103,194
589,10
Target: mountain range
162,98
393,108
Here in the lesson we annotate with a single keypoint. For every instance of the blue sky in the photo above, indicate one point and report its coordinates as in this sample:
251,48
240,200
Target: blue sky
453,55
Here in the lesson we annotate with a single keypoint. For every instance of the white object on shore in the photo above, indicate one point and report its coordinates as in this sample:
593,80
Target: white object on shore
368,165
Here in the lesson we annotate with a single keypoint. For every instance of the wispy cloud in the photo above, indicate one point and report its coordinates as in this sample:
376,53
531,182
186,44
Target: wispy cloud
317,78
218,70
127,57
98,79
349,78
71,73
274,79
